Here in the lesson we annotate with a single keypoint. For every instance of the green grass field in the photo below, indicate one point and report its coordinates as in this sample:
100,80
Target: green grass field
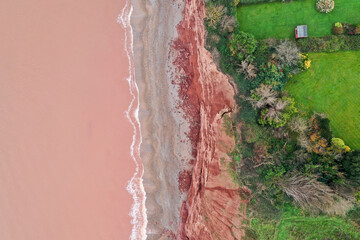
278,20
332,86
295,225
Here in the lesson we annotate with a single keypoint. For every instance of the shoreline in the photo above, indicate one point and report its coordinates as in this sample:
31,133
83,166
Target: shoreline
165,150
135,185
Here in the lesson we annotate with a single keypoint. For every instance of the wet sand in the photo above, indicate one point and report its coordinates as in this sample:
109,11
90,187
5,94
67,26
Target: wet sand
64,136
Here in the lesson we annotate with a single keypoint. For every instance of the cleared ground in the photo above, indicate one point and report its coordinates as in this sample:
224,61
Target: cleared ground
278,20
332,86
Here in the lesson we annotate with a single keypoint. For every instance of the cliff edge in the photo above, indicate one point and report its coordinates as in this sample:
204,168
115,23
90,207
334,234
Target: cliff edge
212,208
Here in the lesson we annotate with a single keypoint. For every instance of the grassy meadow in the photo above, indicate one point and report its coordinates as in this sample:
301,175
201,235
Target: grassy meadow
278,20
332,86
294,224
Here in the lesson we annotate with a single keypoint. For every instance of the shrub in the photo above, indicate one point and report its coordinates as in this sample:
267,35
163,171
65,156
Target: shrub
338,28
214,14
331,43
270,74
325,6
357,29
339,145
287,53
242,46
305,62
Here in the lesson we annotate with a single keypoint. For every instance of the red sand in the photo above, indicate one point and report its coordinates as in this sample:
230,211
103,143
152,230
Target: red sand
64,136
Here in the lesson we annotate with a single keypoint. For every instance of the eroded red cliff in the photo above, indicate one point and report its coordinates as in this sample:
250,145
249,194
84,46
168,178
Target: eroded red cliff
212,209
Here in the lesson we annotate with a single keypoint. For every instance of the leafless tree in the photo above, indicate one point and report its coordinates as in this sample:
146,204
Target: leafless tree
228,24
299,125
304,141
276,110
266,96
287,53
312,194
248,69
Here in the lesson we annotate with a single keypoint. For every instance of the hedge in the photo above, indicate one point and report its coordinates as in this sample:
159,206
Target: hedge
331,43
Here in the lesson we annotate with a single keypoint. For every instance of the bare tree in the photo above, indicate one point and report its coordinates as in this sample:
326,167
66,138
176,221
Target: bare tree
276,110
248,69
287,53
299,125
265,96
228,24
304,141
312,194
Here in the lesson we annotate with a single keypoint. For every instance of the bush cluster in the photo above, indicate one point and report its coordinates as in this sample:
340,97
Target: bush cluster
346,28
331,43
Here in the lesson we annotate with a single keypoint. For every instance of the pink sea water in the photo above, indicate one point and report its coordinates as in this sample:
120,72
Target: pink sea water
65,137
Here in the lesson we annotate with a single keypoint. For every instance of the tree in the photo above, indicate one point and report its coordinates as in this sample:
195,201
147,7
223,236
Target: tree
287,53
263,96
351,165
228,24
248,69
242,45
299,125
214,14
270,74
314,195
279,113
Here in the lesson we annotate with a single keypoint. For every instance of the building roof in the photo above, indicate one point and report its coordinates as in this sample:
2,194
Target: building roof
302,31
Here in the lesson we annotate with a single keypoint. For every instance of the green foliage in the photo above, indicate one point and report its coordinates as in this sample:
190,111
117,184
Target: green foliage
338,143
269,74
325,130
274,173
338,24
357,196
331,43
279,120
326,167
228,126
354,215
351,165
296,224
242,46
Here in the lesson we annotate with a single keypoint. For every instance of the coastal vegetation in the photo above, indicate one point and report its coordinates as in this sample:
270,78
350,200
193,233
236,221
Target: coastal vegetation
296,128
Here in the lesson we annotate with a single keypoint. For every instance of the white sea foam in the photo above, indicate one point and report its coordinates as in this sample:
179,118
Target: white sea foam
135,186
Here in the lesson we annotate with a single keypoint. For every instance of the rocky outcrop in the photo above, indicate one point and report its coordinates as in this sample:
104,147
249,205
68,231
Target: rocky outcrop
213,209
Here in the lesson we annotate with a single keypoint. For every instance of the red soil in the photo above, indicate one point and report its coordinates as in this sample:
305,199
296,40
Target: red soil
211,210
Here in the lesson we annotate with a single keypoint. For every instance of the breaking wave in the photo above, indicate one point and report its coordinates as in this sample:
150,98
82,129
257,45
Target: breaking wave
135,186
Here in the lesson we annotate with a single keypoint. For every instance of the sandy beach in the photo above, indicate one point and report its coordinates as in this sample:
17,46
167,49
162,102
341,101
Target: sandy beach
183,98
165,149
65,139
